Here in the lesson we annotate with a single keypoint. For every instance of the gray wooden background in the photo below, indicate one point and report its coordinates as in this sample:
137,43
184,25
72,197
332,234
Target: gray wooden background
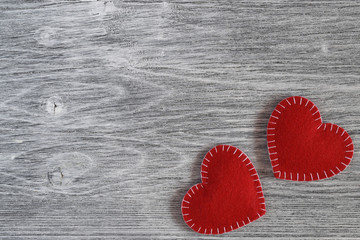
107,108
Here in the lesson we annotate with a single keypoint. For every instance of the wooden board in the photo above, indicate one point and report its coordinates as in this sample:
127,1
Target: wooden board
107,108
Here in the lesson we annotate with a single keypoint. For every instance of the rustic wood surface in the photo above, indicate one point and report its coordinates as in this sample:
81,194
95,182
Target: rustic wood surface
107,108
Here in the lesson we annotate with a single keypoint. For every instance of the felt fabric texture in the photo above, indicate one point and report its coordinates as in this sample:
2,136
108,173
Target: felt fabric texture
230,195
303,148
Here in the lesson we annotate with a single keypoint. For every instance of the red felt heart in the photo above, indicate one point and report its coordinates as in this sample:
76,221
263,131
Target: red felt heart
303,148
230,195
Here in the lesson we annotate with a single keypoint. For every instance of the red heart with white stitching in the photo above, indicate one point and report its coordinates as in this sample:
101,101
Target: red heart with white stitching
230,195
303,148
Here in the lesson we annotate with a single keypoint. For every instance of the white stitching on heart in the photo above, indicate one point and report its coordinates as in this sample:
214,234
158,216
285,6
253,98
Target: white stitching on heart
272,151
315,112
204,176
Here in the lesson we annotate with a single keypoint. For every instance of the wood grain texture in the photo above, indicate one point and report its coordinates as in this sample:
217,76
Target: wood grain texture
107,108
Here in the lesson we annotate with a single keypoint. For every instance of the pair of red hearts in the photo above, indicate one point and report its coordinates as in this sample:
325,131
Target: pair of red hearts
301,148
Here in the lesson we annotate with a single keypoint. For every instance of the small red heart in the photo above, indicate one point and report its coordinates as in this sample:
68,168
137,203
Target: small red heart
230,195
303,148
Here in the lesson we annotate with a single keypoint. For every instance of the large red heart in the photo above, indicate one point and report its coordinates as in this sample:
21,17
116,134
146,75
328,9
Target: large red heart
303,148
230,195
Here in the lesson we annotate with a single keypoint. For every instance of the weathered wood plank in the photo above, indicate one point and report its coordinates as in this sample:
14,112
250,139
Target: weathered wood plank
107,108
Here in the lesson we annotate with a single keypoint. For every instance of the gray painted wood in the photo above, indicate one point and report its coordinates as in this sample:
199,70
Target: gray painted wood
107,109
